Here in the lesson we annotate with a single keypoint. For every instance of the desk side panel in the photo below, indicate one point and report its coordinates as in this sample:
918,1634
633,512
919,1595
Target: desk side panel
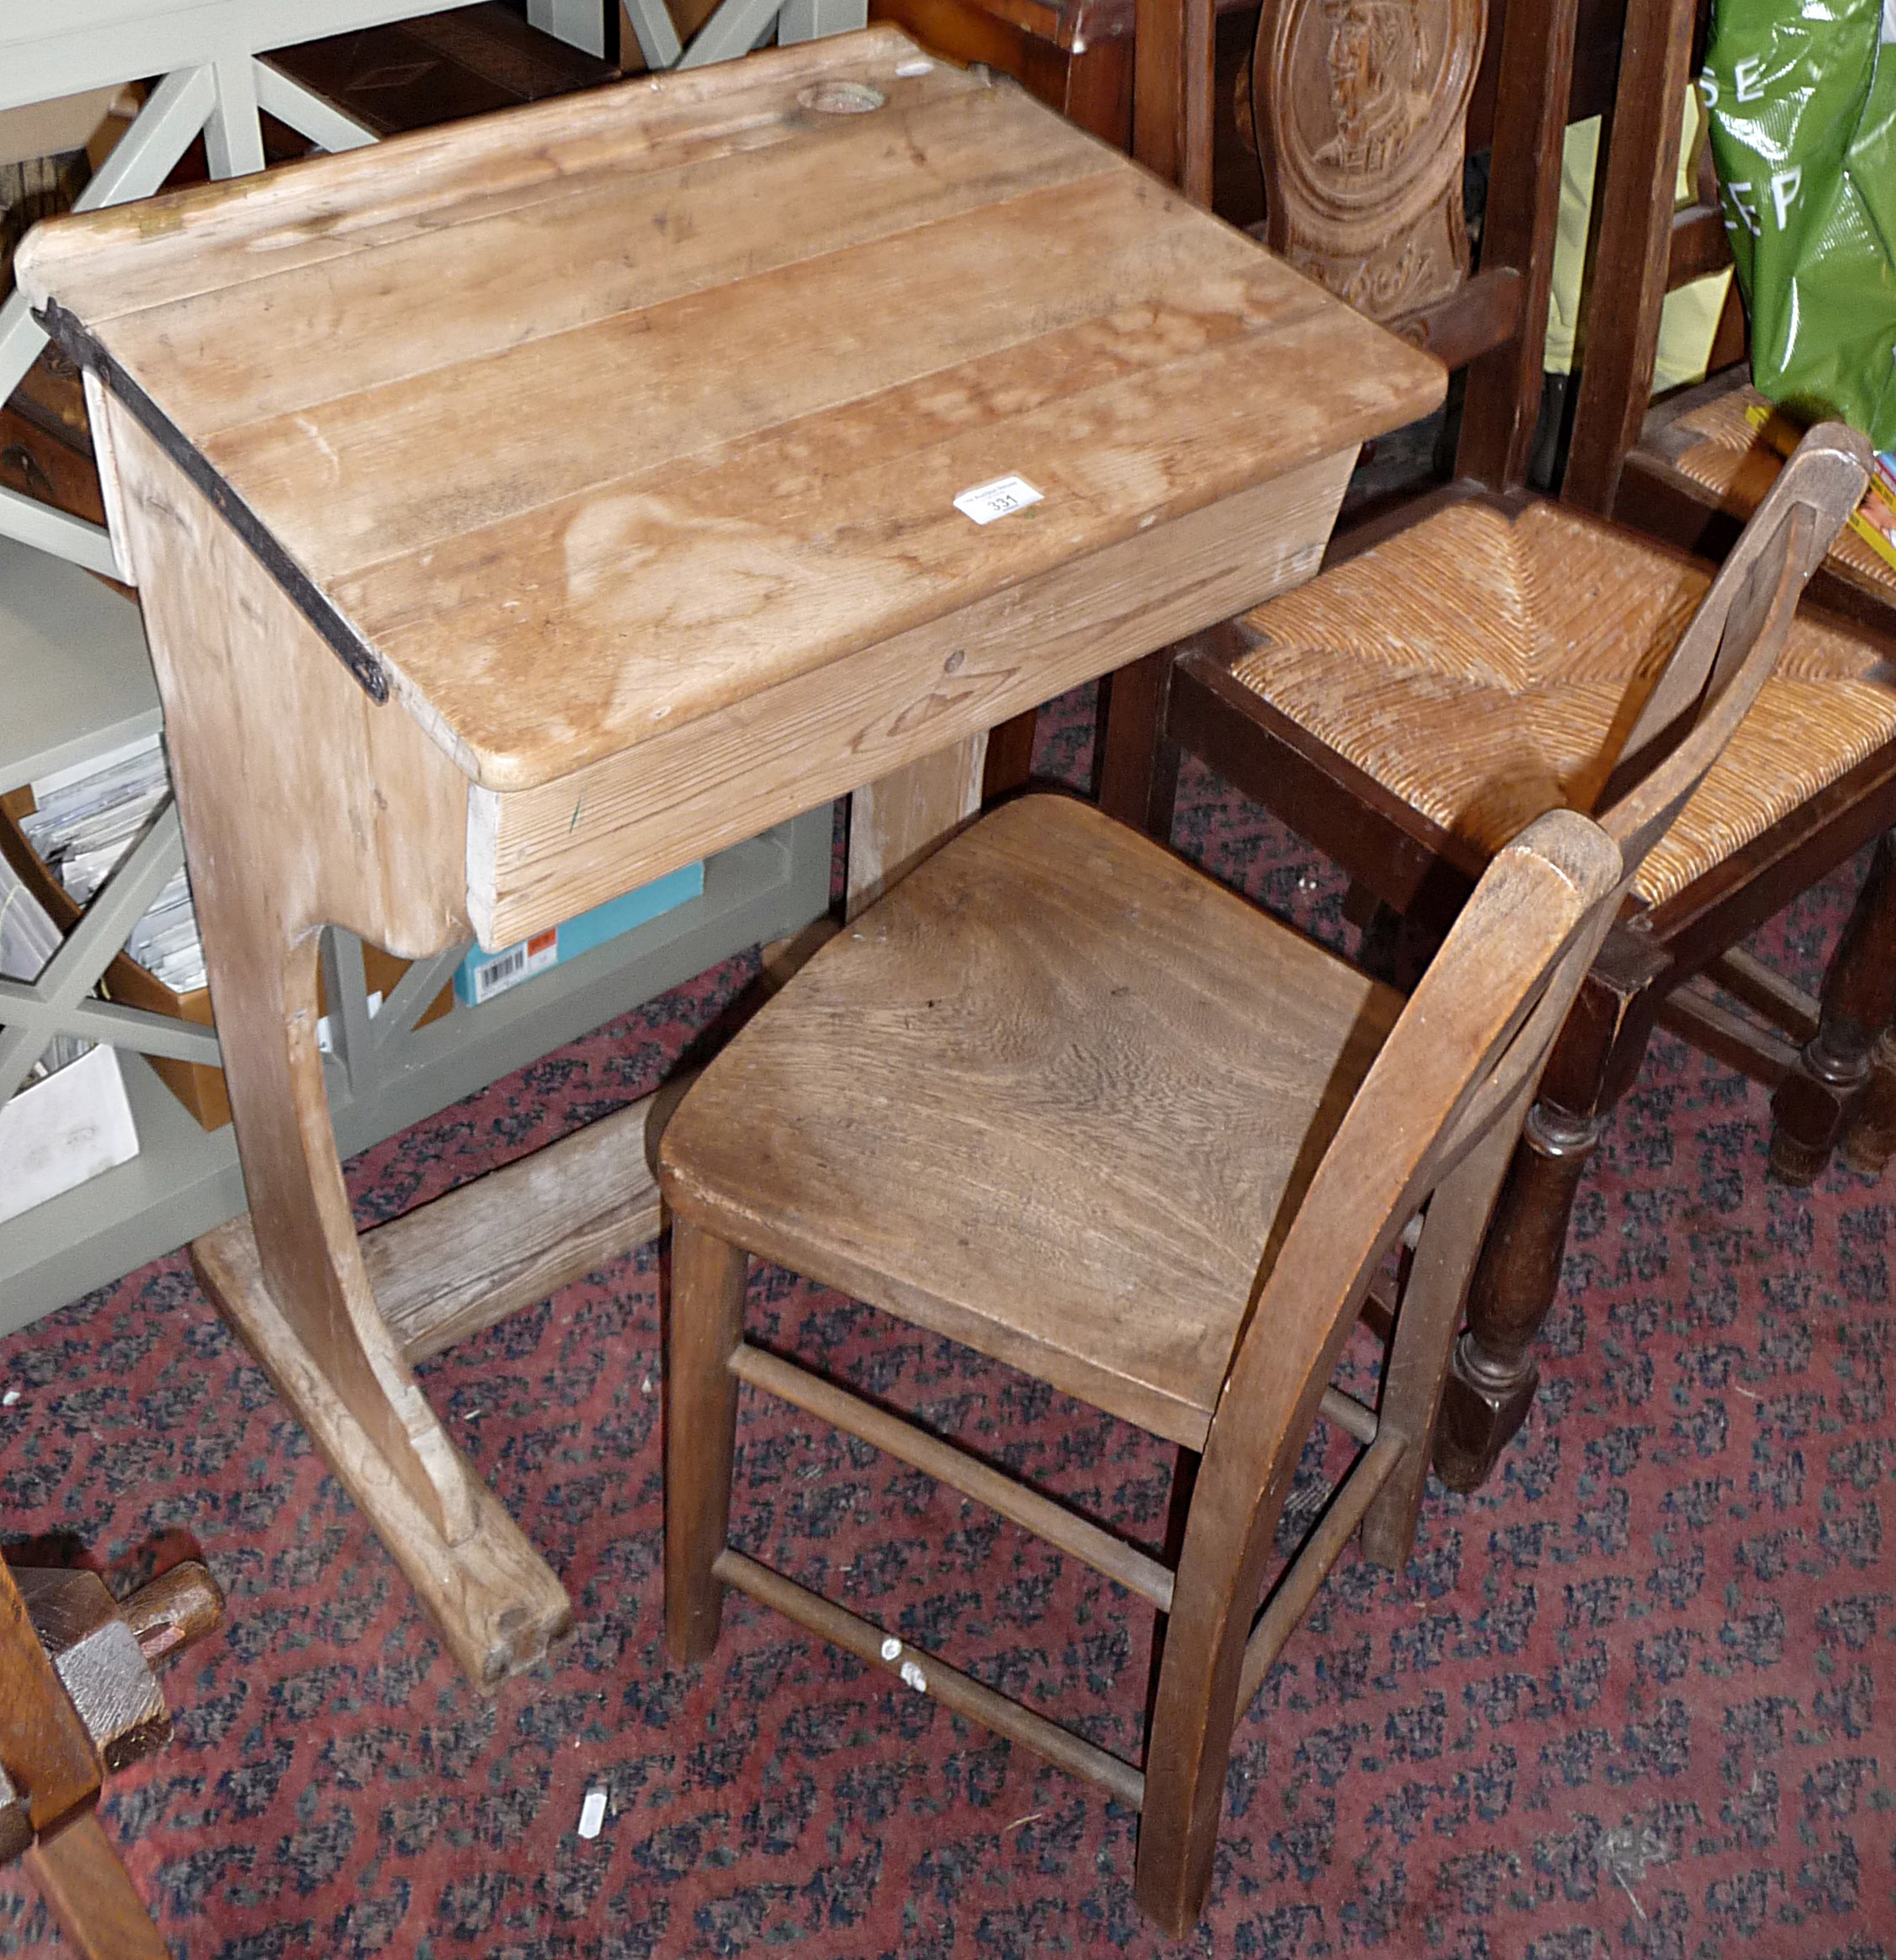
303,805
278,756
538,856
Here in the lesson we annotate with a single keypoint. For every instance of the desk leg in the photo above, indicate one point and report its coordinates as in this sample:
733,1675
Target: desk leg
306,804
290,1279
908,815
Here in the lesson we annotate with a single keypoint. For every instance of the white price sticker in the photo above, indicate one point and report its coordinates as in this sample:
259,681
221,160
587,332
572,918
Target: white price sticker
986,501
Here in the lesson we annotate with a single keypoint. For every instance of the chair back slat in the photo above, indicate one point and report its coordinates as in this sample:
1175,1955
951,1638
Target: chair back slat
1361,111
1174,85
1362,118
1474,1033
1628,265
1727,654
1467,1050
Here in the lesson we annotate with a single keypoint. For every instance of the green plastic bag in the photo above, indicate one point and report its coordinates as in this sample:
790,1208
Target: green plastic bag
1801,99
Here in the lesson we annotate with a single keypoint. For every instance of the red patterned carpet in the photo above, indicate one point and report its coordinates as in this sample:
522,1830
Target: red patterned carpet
1637,1697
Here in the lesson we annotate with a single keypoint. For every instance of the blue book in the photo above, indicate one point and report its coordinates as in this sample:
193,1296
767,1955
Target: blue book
481,976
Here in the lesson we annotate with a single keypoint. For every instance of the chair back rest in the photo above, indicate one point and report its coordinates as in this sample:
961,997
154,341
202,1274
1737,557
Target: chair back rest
1727,654
1451,1086
1640,249
1463,1056
1360,109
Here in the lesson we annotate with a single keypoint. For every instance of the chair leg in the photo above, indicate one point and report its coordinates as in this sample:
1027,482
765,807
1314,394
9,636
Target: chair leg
1491,1385
1424,1340
1494,1375
1236,1501
1870,1141
706,1324
1136,774
1833,1074
1195,1712
1010,755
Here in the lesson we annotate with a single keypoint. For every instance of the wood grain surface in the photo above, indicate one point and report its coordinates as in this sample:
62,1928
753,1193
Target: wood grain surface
1082,1188
85,1882
580,423
537,856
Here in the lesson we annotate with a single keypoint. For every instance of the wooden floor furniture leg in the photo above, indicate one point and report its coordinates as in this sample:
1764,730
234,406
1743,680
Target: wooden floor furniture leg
1417,1370
1870,1141
82,1878
1494,1375
908,815
1833,1071
1136,777
707,1324
306,804
1010,755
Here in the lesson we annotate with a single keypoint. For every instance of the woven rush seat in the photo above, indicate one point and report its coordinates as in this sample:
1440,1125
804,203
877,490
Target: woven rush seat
1485,664
1713,444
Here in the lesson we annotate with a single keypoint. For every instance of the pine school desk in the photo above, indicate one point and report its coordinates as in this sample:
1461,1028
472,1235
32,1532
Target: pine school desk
524,508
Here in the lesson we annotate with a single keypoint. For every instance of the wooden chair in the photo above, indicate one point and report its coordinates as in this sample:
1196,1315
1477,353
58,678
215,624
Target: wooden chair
1062,1098
1462,662
1381,224
1690,468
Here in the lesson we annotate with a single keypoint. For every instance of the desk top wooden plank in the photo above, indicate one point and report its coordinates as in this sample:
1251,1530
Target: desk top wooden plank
671,230
706,373
575,423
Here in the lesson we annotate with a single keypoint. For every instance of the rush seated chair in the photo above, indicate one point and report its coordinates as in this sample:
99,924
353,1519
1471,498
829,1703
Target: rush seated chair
1062,1098
1690,468
1463,660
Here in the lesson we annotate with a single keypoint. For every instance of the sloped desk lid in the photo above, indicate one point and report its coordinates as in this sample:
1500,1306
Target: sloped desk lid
569,425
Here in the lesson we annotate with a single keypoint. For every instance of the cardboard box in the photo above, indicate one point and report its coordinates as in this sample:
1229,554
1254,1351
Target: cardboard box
59,1131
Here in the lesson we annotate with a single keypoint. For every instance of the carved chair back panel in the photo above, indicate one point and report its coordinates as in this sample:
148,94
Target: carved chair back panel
1360,109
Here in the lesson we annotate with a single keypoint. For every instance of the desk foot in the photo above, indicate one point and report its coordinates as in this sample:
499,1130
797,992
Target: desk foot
492,1598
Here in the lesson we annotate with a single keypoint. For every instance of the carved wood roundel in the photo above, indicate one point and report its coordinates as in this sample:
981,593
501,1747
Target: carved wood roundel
1360,109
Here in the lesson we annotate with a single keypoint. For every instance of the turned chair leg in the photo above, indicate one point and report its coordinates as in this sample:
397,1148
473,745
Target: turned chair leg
1870,1141
1837,1075
1492,1380
1424,1344
1596,1056
706,1324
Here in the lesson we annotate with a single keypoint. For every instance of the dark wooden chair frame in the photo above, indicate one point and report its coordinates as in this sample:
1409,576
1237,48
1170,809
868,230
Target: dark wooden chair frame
1831,1062
1681,963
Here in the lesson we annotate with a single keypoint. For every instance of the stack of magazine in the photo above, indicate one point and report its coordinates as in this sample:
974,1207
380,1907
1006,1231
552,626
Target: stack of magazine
86,819
71,1118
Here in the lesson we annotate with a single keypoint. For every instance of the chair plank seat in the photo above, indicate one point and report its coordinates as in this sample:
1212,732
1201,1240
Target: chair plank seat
1705,438
1485,665
1029,1102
